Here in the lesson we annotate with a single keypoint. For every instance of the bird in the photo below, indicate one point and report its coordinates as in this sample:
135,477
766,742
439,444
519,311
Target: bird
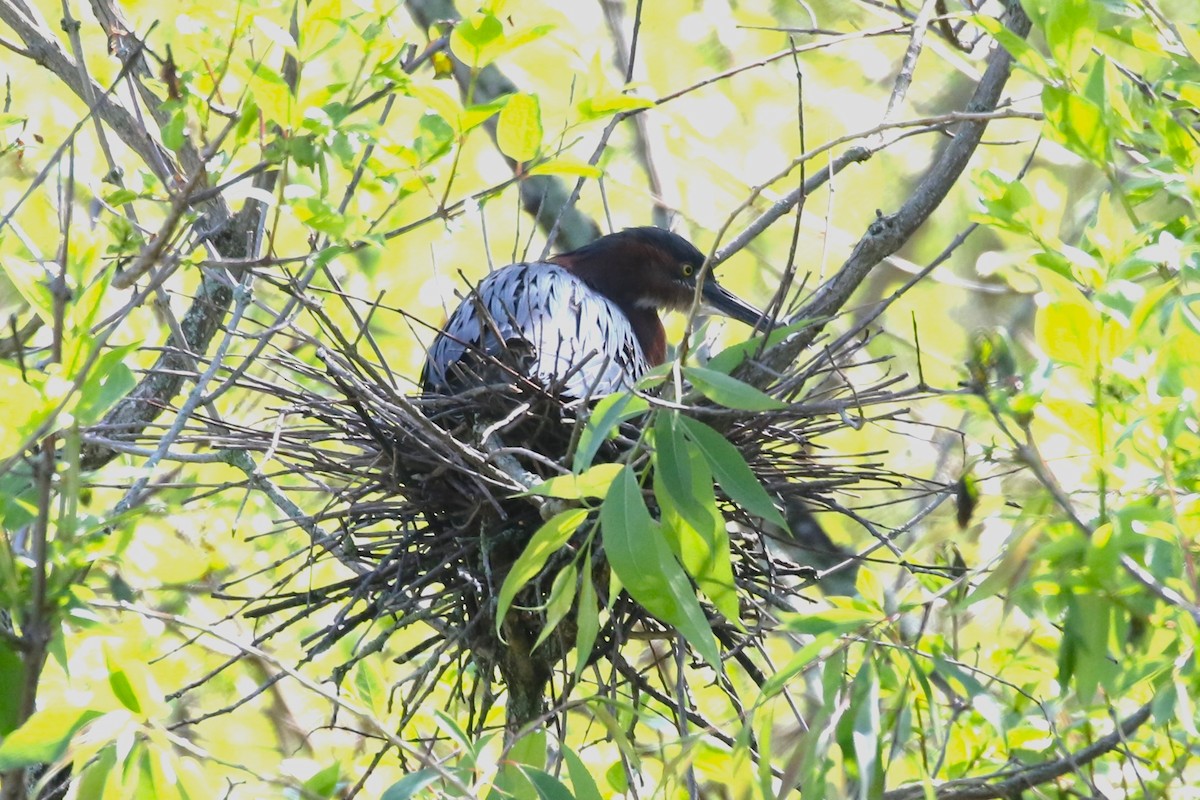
582,324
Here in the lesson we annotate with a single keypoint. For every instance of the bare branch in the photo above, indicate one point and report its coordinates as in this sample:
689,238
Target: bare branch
889,233
1016,782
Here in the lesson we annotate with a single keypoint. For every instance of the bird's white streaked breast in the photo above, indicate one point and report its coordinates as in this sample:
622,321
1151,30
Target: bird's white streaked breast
563,320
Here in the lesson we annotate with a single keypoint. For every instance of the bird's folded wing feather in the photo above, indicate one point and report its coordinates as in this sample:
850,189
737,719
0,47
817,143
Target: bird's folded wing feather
579,338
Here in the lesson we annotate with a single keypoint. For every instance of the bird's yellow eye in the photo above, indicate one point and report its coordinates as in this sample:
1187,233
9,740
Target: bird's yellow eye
687,270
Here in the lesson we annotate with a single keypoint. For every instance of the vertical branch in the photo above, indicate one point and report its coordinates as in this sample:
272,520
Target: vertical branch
38,622
663,196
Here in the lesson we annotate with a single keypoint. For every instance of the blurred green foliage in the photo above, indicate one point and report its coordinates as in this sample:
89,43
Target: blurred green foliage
1069,320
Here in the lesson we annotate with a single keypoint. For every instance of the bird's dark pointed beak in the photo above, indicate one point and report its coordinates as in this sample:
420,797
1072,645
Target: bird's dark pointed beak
728,303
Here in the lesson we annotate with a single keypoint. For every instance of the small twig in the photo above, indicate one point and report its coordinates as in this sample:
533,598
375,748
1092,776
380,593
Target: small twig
338,700
1013,783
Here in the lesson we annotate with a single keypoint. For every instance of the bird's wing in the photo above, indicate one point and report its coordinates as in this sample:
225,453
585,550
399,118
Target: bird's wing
580,343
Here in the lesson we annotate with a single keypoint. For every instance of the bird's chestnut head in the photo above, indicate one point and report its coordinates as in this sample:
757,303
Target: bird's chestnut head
646,269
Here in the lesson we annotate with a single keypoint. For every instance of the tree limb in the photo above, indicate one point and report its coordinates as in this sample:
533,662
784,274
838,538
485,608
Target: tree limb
887,234
1018,781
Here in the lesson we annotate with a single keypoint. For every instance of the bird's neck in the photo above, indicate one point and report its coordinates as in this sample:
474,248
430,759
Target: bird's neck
647,327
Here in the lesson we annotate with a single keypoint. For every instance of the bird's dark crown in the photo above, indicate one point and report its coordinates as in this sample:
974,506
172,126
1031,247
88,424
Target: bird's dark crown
646,238
644,267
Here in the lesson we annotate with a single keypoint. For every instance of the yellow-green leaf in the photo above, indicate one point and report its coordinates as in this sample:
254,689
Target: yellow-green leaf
592,482
562,595
1068,330
519,128
547,540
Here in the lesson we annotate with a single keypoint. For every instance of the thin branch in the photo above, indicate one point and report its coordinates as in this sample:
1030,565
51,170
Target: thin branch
1014,783
887,234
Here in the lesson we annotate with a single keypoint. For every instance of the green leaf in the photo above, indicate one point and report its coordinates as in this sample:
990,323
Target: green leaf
611,102
581,777
436,137
645,565
119,682
410,784
29,279
1086,631
1021,50
729,391
546,541
119,197
806,655
12,673
44,736
837,621
479,114
174,130
732,357
866,729
592,482
609,412
731,471
683,485
519,128
22,407
1070,29
324,783
529,749
562,596
674,467
109,381
548,787
587,617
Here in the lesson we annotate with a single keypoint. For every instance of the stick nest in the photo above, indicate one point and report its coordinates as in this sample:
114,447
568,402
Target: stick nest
426,505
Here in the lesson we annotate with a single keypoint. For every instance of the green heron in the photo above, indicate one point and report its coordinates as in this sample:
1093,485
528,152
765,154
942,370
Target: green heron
586,321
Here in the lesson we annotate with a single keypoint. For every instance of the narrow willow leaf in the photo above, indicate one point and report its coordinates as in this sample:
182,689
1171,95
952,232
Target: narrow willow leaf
562,596
581,777
732,357
837,621
731,471
567,166
867,745
548,787
729,391
548,539
641,559
673,465
695,527
592,482
606,416
412,783
587,617
810,652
